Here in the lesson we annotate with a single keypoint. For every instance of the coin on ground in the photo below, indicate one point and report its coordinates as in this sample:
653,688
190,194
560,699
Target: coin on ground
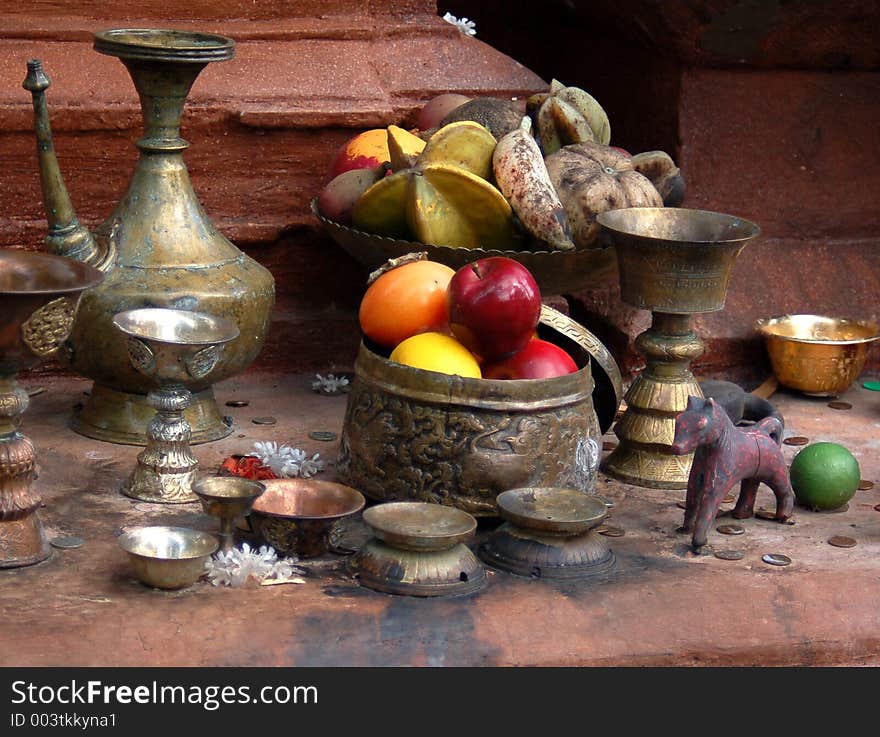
796,440
729,554
842,541
66,542
264,420
610,531
324,435
237,403
840,405
605,500
865,485
729,499
765,514
776,559
730,529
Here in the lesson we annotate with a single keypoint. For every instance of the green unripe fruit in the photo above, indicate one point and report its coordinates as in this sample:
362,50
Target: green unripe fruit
824,476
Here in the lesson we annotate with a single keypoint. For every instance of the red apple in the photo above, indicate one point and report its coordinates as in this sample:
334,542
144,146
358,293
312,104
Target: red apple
540,359
494,306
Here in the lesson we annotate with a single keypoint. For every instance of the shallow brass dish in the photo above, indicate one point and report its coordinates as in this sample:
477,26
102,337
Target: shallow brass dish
557,272
168,557
815,354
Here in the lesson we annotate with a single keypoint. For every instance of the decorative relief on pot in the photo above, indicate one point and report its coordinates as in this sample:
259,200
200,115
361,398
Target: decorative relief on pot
141,356
393,448
47,328
202,363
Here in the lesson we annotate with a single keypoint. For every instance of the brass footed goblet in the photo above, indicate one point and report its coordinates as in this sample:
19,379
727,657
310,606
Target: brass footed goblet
39,295
676,263
227,498
174,349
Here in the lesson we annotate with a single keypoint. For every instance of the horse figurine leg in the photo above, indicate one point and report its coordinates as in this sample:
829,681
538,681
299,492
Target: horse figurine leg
745,505
709,504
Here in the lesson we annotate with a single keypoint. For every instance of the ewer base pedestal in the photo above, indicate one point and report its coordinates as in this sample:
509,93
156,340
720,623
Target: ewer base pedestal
120,417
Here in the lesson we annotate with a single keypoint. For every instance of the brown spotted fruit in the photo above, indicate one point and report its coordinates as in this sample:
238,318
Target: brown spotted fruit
591,178
659,167
445,199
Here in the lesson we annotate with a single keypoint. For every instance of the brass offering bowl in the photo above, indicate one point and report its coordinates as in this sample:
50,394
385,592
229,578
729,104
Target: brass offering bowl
549,533
295,515
416,435
676,263
556,272
168,557
39,297
174,350
418,549
227,498
817,355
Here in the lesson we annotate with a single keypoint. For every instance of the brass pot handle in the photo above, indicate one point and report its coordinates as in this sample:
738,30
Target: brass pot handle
605,410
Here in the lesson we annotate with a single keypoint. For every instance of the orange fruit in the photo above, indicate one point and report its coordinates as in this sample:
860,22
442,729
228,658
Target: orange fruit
405,301
437,352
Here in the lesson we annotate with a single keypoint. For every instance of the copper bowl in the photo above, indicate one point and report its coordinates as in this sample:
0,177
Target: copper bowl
295,515
557,272
168,557
817,355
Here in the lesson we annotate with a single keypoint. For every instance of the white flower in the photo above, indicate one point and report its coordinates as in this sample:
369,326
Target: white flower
467,27
237,567
329,384
287,462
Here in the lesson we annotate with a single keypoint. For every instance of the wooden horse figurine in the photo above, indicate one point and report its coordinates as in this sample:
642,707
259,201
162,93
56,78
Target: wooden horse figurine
725,454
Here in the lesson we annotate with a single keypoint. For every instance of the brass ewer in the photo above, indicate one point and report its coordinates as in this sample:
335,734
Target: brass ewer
676,263
158,248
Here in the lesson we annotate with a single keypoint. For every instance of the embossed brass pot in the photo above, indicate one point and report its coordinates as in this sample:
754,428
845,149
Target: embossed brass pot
157,247
415,435
38,299
820,356
674,262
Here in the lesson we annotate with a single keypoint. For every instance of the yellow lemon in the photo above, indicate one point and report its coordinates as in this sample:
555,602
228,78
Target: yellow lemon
437,352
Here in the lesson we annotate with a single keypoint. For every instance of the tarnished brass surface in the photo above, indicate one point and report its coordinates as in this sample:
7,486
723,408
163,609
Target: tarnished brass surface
168,557
674,262
158,247
556,272
419,526
418,550
549,533
553,510
295,515
173,349
38,298
415,435
227,498
817,355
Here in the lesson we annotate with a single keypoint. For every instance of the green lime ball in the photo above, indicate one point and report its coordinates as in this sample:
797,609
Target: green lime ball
825,476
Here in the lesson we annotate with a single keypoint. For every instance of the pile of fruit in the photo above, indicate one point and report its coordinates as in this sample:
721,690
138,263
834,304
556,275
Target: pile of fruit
477,322
489,173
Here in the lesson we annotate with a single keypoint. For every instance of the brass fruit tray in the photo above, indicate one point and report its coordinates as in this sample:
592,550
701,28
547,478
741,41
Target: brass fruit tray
557,272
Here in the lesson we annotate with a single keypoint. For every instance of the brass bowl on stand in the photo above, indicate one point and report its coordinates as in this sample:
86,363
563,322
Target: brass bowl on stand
549,533
39,297
676,263
418,549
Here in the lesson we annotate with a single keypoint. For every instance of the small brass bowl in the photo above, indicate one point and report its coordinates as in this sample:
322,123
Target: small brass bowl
819,356
168,557
295,515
